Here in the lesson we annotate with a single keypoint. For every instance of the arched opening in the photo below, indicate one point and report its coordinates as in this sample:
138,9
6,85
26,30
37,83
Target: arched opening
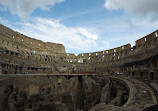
151,75
7,52
73,70
5,72
80,79
16,70
141,75
39,57
16,54
133,74
11,53
20,69
80,95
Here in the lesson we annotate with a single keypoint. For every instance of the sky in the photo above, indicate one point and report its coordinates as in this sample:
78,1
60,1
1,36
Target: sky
82,26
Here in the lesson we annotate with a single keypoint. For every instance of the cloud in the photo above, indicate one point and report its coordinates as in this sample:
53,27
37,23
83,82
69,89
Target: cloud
139,8
85,39
80,39
124,29
23,8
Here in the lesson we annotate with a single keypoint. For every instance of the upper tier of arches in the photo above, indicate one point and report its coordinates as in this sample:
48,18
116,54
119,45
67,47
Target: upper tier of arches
19,43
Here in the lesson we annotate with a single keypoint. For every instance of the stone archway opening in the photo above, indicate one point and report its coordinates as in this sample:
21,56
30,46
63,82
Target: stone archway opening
152,75
5,72
141,75
133,74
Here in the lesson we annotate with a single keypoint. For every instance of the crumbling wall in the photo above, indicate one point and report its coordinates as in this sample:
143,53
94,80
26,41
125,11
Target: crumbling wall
38,93
21,53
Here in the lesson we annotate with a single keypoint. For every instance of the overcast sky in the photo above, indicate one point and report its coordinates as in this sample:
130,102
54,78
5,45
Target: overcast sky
82,25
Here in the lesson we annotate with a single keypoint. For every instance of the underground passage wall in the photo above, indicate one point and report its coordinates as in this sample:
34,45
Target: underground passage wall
57,93
64,93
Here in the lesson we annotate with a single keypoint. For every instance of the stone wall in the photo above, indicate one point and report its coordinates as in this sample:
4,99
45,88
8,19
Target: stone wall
15,41
38,92
22,54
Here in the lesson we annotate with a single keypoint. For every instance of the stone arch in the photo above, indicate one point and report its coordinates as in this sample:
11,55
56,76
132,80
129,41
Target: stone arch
38,57
151,75
42,57
32,55
35,56
12,53
28,55
50,58
141,74
16,54
133,74
46,58
7,52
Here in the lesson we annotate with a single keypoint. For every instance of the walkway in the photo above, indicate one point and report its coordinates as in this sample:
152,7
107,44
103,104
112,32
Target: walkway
141,96
13,75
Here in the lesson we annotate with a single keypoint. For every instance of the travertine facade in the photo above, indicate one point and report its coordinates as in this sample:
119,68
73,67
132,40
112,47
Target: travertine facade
21,54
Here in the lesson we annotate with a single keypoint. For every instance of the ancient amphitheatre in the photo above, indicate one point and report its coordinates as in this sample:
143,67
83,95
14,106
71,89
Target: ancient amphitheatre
39,76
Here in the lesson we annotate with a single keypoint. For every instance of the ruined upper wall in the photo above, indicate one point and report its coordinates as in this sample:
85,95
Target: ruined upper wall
145,43
15,41
115,50
149,38
112,54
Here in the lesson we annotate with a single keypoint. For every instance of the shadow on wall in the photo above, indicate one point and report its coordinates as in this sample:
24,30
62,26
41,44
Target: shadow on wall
152,108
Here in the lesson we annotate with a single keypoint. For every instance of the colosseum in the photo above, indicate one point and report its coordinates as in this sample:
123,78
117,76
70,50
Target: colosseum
41,76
